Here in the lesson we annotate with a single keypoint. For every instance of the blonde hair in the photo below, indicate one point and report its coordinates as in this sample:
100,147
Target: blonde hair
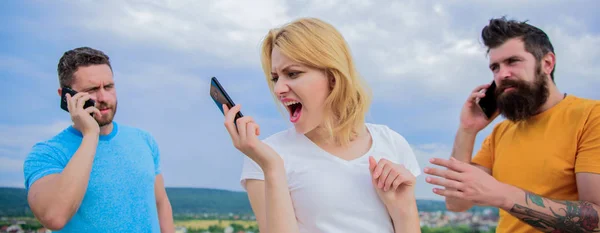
318,44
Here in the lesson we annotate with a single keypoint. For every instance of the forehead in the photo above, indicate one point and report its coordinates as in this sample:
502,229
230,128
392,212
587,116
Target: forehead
278,59
94,75
512,47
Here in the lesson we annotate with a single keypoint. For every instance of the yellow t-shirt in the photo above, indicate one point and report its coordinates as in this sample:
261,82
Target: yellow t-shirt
543,154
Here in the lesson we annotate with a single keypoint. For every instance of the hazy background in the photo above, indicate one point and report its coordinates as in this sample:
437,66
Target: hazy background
421,58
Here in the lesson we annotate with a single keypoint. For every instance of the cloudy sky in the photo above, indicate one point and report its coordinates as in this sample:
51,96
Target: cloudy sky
421,58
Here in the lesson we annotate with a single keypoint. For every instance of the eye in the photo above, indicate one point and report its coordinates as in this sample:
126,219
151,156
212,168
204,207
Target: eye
293,74
92,90
274,79
512,61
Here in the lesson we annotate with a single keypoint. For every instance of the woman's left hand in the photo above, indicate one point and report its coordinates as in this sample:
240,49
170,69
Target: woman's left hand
393,182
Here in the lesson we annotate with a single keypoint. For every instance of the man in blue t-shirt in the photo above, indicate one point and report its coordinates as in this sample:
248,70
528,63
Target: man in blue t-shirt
96,175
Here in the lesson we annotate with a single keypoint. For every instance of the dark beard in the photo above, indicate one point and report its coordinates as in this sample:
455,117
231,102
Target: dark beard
524,102
106,120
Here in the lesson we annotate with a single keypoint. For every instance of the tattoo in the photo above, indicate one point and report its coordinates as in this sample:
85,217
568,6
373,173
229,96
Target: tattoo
563,216
535,199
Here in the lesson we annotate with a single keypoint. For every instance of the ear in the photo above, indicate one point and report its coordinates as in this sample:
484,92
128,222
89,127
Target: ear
548,62
59,91
331,79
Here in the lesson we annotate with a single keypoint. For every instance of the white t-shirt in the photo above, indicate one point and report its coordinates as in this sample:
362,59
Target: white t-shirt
330,194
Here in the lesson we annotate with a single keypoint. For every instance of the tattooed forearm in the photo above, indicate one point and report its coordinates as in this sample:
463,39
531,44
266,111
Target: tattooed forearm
557,216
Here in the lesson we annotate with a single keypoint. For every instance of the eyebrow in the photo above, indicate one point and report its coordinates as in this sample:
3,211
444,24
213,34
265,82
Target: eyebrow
96,87
285,68
504,60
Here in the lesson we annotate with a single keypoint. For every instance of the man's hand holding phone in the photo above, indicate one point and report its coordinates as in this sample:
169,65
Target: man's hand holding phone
472,117
82,120
244,135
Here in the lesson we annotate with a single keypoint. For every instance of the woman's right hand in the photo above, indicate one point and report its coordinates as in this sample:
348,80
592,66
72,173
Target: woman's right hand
472,118
245,138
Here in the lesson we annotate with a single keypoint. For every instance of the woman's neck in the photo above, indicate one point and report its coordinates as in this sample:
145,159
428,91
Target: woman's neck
321,137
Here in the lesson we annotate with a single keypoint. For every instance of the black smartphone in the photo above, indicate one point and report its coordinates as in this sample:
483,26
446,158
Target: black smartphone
63,99
220,96
488,102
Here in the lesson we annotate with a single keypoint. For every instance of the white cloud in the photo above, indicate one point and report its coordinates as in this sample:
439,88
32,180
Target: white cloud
401,48
223,29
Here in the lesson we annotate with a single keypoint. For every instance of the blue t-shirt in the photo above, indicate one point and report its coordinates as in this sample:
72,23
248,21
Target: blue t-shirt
120,192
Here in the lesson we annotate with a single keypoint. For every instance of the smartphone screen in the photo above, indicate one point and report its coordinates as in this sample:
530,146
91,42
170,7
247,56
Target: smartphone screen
220,97
488,102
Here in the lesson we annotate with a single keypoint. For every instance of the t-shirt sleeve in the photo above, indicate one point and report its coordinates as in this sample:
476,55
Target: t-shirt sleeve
250,171
588,151
406,154
41,161
485,156
155,154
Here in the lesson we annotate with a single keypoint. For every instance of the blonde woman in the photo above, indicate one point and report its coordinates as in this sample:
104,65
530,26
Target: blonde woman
331,172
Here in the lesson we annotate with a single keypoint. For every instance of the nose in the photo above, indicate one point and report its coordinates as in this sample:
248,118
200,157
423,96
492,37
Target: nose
503,73
281,87
100,95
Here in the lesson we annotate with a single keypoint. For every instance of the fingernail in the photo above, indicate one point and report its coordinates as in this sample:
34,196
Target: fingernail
425,169
428,179
452,158
431,160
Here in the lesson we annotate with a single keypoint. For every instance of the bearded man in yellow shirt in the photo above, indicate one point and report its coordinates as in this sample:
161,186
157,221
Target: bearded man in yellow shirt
540,166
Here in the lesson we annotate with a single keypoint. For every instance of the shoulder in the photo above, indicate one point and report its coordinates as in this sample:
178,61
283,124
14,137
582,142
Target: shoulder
501,127
580,112
56,145
387,139
386,134
128,129
130,132
580,105
284,138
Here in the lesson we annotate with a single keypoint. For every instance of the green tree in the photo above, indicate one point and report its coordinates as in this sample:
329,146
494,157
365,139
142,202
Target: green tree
215,229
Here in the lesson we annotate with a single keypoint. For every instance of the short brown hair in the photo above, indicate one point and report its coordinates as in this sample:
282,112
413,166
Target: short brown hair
75,58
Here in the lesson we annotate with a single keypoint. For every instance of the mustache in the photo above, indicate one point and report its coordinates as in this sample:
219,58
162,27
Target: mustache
508,83
103,105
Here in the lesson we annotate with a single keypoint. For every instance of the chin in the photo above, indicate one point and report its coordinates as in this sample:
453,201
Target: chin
304,128
301,130
105,120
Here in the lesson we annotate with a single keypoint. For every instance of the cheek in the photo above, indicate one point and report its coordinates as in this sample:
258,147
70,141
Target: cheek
317,96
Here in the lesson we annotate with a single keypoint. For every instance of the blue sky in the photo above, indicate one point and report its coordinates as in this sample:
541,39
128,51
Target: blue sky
421,58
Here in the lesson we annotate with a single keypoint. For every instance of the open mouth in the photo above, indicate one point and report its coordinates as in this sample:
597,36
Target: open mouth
295,109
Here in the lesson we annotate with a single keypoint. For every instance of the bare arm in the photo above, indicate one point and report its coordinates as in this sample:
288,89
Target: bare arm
278,211
550,215
271,202
406,216
163,205
256,195
55,198
463,151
